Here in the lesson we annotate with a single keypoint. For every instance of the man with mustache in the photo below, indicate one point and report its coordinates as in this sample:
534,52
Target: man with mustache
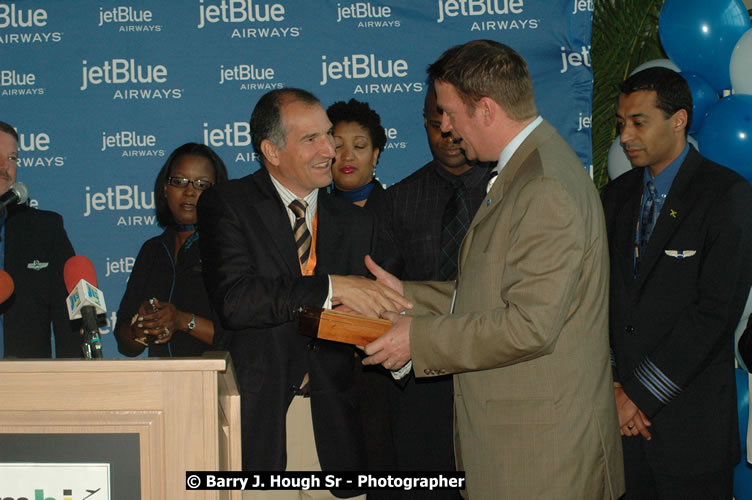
680,245
415,242
33,250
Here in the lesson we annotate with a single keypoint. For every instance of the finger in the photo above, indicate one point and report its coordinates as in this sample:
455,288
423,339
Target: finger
391,316
375,346
640,427
375,269
376,359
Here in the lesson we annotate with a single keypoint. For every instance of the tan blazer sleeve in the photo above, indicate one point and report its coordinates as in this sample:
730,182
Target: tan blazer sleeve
515,288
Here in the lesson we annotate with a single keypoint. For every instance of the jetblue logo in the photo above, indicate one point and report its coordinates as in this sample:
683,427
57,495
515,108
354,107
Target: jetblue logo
14,17
239,11
34,150
574,59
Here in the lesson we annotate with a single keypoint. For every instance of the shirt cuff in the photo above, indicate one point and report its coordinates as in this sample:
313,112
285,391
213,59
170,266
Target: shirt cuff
328,301
402,372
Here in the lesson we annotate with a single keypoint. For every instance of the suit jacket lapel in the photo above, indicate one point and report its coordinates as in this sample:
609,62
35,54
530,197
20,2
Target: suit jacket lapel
626,222
677,204
330,233
502,183
275,218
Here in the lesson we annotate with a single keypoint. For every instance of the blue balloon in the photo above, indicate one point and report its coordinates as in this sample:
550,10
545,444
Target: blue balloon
703,96
742,471
726,135
700,35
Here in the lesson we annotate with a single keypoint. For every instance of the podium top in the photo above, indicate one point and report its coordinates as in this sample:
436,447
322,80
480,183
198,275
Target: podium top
217,361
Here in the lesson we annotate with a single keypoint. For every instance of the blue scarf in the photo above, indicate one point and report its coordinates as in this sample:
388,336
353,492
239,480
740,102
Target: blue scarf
358,194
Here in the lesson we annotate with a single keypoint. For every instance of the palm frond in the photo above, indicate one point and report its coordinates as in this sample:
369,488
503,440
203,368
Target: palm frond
625,35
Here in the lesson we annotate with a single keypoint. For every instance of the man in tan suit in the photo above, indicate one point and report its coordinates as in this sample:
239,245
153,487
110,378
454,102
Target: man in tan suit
526,333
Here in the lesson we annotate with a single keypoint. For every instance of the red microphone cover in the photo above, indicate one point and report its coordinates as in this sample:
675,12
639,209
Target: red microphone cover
6,286
78,268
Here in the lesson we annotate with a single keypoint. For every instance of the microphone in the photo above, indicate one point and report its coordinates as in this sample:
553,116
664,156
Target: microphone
17,193
85,301
6,286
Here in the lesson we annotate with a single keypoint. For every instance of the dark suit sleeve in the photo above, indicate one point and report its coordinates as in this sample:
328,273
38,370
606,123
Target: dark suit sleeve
242,270
387,252
694,340
67,342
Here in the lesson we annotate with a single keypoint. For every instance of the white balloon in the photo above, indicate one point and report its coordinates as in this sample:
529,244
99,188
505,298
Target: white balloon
656,63
618,161
693,142
740,66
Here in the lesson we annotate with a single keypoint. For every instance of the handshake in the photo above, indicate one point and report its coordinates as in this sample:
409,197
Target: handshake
380,298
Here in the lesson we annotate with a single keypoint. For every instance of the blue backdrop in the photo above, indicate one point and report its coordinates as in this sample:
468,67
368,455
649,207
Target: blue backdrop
101,92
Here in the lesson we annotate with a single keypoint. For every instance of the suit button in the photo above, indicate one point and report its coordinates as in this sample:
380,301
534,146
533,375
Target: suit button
629,330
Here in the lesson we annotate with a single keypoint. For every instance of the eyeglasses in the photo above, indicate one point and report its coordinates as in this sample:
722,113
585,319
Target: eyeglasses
181,182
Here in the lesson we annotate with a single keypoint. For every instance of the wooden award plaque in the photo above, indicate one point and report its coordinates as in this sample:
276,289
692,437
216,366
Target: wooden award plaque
329,324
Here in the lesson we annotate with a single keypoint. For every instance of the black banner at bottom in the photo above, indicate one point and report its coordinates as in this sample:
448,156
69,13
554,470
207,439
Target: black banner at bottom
299,480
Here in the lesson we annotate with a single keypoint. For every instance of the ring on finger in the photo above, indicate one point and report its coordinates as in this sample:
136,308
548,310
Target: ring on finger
630,426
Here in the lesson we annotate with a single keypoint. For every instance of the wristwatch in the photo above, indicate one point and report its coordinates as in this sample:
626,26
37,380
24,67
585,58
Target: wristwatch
192,323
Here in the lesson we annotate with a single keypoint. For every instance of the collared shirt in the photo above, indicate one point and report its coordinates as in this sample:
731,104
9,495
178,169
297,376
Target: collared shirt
663,180
312,200
515,143
510,149
288,197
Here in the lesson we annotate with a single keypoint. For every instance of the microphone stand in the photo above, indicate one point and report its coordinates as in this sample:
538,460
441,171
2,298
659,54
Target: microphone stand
91,345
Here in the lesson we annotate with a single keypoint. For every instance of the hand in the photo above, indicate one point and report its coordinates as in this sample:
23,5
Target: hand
391,350
157,320
384,277
632,421
367,297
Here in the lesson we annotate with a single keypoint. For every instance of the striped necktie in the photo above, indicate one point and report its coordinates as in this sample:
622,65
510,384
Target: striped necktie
300,230
649,214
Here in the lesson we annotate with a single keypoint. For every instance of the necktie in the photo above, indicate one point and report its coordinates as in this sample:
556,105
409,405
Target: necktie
649,215
300,230
455,222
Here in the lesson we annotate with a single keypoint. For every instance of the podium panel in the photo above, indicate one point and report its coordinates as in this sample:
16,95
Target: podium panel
182,414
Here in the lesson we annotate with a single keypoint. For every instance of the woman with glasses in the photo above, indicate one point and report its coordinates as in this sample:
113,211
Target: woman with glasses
165,306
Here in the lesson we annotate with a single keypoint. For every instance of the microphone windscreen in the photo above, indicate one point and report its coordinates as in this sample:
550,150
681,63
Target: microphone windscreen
78,268
21,191
6,286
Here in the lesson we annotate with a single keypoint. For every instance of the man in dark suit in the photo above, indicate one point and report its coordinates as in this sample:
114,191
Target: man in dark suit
417,241
680,246
34,248
271,243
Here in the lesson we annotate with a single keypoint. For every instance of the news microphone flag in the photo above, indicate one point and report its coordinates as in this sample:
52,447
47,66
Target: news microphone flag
84,294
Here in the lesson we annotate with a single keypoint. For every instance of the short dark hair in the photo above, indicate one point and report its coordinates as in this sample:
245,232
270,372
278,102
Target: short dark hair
362,114
671,89
266,119
486,68
5,127
164,216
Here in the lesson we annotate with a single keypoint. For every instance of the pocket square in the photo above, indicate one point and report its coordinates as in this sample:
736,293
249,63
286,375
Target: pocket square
680,254
36,265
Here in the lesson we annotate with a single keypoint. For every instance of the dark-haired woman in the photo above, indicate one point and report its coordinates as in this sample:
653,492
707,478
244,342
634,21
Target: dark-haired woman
165,305
359,140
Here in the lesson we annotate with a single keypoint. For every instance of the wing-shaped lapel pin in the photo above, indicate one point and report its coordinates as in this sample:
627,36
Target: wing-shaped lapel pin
36,265
680,254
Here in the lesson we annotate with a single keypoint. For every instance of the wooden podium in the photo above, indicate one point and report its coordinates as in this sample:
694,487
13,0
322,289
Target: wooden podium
184,411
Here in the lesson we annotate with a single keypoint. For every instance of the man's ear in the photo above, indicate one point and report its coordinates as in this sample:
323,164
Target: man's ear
270,152
487,107
679,120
